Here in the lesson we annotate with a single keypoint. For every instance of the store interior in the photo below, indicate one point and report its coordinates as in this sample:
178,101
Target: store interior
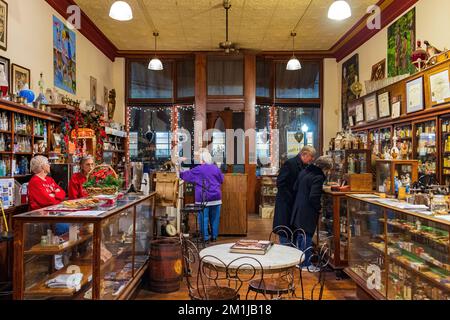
141,87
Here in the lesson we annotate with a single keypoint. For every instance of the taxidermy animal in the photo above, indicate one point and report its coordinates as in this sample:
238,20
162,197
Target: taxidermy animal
431,50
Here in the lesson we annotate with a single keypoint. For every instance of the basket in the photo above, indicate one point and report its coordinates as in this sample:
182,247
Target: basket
95,191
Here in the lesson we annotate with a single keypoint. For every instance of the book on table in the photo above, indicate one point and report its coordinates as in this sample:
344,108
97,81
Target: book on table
251,246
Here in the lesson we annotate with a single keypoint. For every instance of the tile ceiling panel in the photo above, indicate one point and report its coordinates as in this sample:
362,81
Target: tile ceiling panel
200,24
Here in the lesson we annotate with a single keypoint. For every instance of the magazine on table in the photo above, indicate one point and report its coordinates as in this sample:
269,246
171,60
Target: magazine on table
251,246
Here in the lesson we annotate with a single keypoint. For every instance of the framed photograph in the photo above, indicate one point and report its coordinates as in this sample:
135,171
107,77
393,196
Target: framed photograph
396,107
384,105
4,67
370,104
350,121
440,87
20,76
360,112
378,71
414,95
3,25
93,90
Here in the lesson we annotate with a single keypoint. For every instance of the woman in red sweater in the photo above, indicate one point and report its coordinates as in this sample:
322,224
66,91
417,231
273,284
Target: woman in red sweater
76,189
43,190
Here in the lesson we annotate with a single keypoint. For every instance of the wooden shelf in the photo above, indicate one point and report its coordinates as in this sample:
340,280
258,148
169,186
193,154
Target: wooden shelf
5,152
52,250
29,111
23,153
41,290
5,132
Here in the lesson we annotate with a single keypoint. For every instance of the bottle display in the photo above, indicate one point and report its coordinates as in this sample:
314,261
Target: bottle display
404,141
22,124
4,121
426,152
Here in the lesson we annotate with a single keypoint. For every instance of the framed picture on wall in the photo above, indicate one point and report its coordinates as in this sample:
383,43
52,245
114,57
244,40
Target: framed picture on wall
4,69
378,71
359,112
20,77
440,87
384,105
396,107
370,104
414,95
3,25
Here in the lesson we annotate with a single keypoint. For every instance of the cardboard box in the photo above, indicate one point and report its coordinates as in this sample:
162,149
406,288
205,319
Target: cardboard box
266,212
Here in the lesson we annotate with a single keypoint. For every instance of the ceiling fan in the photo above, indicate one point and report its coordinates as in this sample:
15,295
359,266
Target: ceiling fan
227,46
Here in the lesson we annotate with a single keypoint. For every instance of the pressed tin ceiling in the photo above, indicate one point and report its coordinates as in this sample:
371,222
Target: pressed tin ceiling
198,25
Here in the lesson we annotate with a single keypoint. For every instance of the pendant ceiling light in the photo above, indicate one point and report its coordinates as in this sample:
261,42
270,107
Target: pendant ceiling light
339,10
120,10
155,63
294,63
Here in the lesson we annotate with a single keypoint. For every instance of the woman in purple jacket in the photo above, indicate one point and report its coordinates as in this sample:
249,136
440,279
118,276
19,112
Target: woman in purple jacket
208,180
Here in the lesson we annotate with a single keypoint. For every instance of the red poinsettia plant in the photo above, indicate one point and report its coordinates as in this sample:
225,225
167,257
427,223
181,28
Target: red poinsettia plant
103,178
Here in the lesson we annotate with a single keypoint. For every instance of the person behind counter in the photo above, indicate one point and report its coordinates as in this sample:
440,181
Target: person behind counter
307,204
285,197
42,189
76,189
208,179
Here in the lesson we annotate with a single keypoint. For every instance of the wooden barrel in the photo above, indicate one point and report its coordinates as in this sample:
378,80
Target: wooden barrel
166,265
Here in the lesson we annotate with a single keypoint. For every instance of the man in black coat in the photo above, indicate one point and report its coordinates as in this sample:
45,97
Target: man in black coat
307,204
284,200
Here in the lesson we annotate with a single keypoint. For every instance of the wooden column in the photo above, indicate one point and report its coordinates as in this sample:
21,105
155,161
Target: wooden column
250,123
200,97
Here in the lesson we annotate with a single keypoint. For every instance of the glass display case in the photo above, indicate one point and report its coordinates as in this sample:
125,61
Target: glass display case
99,253
346,162
333,227
404,135
414,248
425,144
366,257
392,174
269,192
380,140
445,149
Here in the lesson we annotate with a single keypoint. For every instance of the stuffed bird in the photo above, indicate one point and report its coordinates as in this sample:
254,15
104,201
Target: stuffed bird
431,50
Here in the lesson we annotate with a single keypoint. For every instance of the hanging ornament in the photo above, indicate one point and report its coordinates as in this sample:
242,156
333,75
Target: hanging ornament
299,136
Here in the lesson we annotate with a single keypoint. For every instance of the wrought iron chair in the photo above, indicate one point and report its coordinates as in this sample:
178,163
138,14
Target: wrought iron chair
209,278
320,261
282,283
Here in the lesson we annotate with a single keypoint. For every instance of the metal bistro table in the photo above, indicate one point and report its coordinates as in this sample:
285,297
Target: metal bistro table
278,259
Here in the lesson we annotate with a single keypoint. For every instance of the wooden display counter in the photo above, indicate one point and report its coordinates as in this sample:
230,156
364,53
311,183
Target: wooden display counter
233,216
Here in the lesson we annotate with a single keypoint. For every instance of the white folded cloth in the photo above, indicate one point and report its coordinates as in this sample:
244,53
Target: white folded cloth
66,281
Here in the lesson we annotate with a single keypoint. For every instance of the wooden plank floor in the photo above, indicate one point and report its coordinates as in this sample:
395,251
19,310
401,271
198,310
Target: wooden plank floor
260,229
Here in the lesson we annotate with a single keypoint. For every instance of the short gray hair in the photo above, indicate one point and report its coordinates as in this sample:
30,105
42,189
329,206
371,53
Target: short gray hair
205,156
37,163
324,163
86,158
308,149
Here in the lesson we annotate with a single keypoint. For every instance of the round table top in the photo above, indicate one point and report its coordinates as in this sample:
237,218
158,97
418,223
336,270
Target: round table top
277,258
